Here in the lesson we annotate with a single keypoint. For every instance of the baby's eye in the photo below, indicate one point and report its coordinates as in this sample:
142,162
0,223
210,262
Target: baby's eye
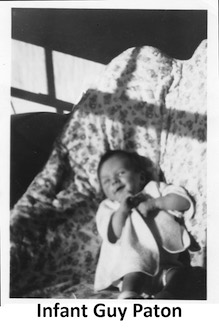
121,173
106,181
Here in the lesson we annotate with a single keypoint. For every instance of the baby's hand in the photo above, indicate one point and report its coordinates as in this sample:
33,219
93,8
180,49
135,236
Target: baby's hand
146,206
125,204
135,200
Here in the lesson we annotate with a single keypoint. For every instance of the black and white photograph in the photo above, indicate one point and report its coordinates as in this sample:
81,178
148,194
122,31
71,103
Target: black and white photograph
108,153
108,158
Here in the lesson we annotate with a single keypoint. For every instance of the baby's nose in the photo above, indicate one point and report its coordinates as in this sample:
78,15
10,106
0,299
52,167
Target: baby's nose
115,179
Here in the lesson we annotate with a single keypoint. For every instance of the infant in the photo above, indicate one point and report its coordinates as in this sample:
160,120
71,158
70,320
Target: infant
144,242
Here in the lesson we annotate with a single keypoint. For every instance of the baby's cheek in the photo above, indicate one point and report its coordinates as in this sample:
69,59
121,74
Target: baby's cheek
110,195
106,192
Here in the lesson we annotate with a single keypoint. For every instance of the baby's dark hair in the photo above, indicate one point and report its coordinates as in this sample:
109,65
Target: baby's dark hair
137,162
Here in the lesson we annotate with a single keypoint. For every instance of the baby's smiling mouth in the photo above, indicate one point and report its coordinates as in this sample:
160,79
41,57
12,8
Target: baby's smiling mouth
119,189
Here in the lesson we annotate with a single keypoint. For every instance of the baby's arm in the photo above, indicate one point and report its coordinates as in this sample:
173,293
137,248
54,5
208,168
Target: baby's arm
170,201
119,218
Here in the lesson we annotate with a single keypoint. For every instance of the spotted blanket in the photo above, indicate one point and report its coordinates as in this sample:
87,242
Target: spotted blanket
145,101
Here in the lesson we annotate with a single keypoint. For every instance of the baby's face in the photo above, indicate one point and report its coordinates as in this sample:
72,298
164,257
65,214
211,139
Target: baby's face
117,177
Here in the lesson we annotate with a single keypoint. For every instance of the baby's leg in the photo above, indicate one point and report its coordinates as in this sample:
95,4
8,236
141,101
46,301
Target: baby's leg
174,282
184,283
134,284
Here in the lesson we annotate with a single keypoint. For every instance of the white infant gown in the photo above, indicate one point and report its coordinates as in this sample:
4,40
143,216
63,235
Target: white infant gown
139,249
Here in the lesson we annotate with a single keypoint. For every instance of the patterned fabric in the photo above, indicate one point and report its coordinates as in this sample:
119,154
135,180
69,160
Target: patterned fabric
146,102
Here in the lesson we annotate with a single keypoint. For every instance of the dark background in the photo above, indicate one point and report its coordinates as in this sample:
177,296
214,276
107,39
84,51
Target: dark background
101,34
97,35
